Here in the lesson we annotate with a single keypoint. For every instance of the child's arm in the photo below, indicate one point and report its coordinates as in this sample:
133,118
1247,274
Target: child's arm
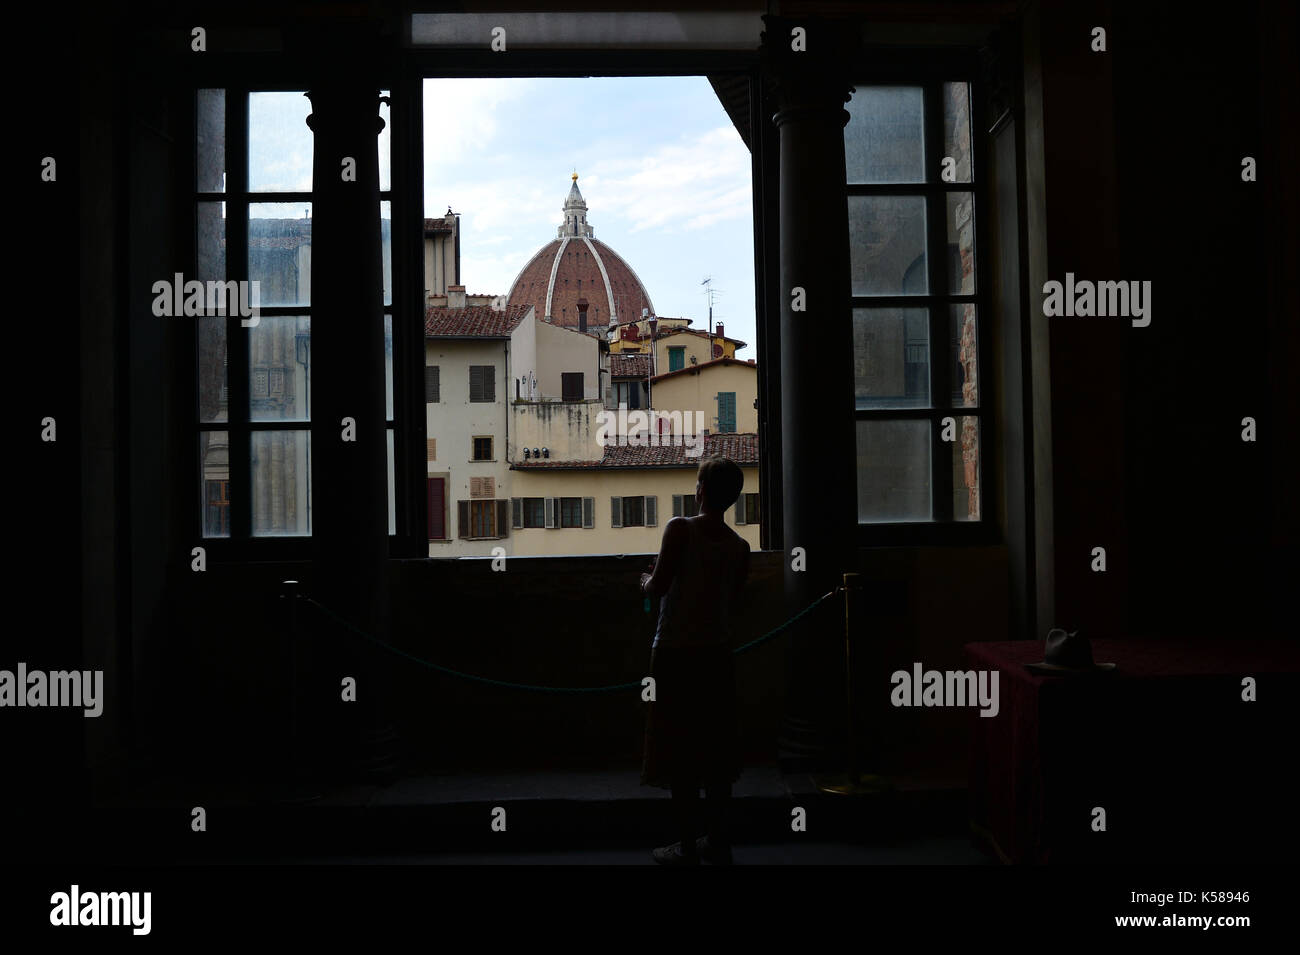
670,552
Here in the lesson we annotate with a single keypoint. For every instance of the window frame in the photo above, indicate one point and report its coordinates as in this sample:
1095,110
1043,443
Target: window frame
943,530
239,77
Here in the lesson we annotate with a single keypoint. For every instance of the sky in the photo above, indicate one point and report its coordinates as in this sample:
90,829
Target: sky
664,173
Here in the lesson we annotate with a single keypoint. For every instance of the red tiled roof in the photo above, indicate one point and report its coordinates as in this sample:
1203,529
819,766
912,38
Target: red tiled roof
677,330
708,364
629,365
472,321
741,448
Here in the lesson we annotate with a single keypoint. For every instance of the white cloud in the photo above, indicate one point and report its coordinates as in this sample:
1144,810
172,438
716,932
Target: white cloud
687,185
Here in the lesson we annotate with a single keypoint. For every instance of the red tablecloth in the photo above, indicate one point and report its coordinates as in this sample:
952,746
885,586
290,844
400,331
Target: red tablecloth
1165,745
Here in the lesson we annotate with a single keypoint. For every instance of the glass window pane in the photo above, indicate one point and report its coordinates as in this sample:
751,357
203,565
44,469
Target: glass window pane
964,333
279,369
884,140
893,471
887,245
210,143
385,146
388,367
386,245
392,485
279,252
210,241
214,482
966,470
212,369
281,465
956,129
279,142
961,243
891,357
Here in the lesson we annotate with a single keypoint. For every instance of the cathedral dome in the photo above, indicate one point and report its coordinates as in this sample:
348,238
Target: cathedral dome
575,272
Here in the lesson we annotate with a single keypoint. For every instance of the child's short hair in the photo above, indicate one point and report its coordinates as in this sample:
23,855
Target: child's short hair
721,480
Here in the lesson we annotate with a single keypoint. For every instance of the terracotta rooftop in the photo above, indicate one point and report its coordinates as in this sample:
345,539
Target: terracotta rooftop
741,448
472,321
708,364
629,366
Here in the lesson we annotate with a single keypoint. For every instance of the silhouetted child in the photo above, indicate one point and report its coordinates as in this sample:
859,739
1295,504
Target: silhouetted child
691,734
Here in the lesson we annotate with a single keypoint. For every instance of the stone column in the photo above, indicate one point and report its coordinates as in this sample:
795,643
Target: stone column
817,422
349,513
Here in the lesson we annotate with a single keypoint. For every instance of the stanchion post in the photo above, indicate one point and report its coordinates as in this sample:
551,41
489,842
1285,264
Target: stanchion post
850,587
291,594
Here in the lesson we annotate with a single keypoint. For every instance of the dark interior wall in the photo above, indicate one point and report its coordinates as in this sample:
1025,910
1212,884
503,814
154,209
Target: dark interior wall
1188,108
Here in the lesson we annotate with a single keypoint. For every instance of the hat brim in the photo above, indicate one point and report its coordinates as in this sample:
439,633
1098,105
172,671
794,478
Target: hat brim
1051,669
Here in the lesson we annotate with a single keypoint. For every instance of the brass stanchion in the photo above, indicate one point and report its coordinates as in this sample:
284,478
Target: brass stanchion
853,782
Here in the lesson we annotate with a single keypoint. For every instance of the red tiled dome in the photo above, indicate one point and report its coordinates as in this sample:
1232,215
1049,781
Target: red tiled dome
576,268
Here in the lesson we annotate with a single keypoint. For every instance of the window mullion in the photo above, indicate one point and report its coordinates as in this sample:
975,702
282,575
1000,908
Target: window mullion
937,254
241,472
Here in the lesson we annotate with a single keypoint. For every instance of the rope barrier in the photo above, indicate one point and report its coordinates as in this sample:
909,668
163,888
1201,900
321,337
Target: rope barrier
505,684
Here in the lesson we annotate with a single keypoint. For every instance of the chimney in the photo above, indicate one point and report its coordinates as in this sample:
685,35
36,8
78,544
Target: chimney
456,296
720,335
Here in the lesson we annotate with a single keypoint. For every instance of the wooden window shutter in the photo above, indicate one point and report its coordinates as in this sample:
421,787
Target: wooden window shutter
740,510
462,519
677,505
517,510
548,511
437,509
588,512
615,512
489,382
651,507
432,384
475,382
480,487
503,518
433,448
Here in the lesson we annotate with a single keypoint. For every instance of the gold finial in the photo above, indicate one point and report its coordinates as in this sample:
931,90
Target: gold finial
575,175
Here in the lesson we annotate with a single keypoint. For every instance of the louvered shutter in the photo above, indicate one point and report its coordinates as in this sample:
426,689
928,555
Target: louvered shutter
677,505
588,512
503,518
740,510
615,512
548,511
651,509
462,519
517,506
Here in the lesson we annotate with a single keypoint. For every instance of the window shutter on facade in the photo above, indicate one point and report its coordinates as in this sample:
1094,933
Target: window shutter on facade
677,505
740,510
651,507
489,383
615,512
503,518
548,511
517,512
480,487
462,519
726,411
588,512
432,383
437,509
